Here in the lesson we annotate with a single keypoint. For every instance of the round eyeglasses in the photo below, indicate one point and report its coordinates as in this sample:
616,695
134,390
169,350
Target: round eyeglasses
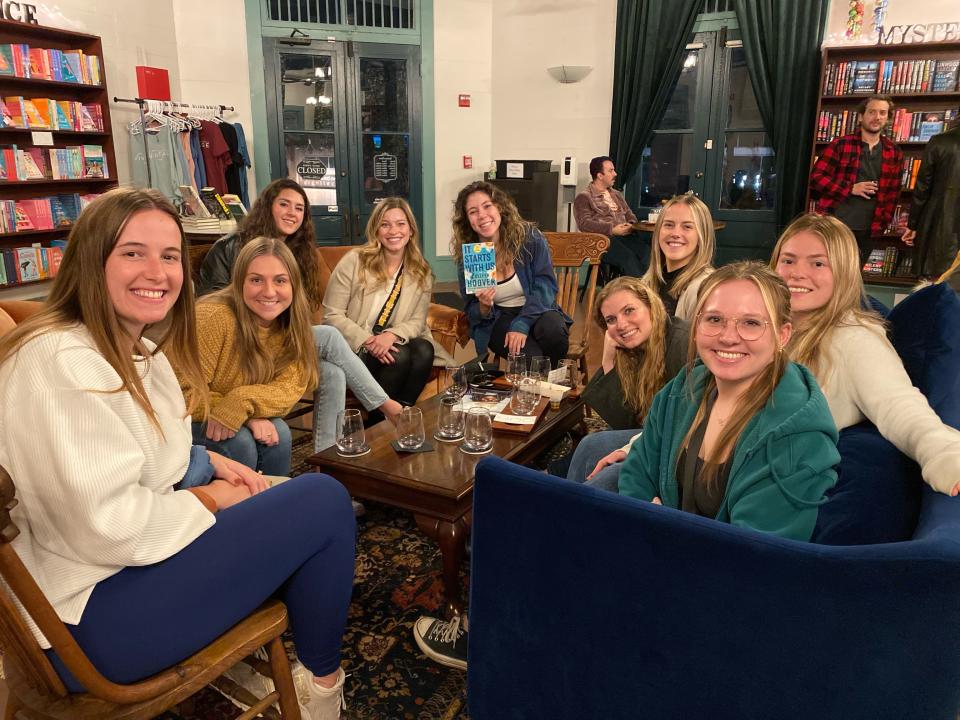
712,324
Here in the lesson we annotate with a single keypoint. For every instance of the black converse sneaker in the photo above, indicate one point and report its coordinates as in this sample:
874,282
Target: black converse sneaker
442,641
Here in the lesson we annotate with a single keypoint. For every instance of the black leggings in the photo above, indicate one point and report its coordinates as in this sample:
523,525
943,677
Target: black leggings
549,335
405,379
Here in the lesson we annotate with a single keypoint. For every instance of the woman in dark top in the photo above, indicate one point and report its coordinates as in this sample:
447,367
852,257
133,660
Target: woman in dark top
681,253
643,348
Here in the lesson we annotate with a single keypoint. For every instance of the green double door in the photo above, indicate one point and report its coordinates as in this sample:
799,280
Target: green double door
343,122
711,142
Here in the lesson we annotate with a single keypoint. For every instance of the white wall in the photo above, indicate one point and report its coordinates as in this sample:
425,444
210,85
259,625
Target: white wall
534,116
462,65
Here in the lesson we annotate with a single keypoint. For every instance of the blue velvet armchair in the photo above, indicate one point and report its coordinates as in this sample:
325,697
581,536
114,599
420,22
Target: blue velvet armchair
585,604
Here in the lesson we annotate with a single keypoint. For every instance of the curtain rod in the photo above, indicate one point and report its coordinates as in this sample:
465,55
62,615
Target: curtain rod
141,102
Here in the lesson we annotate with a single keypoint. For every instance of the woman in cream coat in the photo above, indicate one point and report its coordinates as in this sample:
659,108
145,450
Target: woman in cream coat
378,296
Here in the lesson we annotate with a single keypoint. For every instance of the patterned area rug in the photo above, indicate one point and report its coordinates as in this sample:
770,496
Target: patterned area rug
397,579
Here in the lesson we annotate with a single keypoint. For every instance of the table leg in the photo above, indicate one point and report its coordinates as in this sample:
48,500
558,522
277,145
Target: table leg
452,537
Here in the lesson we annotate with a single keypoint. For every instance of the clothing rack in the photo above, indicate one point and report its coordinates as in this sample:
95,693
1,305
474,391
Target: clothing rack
142,102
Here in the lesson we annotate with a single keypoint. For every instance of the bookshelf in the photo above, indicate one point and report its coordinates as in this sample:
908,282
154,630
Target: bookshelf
80,125
908,73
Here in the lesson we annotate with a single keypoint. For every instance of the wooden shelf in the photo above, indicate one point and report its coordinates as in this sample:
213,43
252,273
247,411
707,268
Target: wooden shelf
897,281
896,96
70,181
14,82
25,284
918,143
23,131
27,234
42,32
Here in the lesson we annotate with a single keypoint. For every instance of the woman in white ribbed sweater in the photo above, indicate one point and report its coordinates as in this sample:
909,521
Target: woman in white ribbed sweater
95,433
847,349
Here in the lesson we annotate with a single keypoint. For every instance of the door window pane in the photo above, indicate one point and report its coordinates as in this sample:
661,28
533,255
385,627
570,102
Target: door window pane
306,87
749,179
386,167
682,105
310,161
743,112
665,169
383,95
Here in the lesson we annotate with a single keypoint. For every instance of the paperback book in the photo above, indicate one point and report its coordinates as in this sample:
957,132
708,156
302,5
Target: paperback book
479,266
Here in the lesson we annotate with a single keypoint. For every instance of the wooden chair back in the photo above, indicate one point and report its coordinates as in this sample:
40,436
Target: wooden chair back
569,251
33,681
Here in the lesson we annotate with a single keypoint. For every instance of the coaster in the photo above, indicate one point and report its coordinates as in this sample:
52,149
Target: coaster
354,455
426,447
475,452
441,438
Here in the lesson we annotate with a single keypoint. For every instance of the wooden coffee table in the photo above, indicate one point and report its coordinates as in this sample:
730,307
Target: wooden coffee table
437,487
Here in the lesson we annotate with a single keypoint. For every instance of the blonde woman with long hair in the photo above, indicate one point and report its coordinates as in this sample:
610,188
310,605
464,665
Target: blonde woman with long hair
520,314
643,348
681,254
745,435
258,357
847,349
95,433
378,296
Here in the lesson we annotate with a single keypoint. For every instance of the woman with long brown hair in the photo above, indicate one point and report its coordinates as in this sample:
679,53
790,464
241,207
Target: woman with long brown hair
95,433
745,436
520,314
643,348
378,297
846,348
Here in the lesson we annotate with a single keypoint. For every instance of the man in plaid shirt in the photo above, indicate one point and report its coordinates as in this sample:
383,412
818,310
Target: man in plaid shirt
857,177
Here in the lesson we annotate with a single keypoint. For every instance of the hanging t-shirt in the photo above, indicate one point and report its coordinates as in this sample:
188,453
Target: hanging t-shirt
245,157
190,171
233,170
165,156
216,155
200,172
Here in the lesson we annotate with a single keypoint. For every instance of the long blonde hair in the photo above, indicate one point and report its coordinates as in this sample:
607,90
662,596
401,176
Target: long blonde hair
776,299
642,370
79,296
513,228
256,364
703,256
372,263
845,306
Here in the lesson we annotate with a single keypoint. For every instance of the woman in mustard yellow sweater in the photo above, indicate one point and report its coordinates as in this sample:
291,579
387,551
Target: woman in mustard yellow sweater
258,356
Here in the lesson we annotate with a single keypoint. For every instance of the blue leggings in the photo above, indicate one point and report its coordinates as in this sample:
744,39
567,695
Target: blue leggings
244,448
294,541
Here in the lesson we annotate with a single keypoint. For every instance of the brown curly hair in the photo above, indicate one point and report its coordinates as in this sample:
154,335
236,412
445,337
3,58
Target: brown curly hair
513,228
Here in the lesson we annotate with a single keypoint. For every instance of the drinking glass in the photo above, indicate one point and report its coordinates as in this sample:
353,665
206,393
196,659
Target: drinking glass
410,434
450,420
525,396
540,367
478,430
516,367
350,437
455,381
568,378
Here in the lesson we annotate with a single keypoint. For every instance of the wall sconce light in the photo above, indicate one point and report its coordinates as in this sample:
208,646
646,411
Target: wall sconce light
569,73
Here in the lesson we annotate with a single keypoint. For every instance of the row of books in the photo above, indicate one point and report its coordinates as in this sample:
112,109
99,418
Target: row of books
888,262
856,77
919,126
831,124
28,264
17,111
42,213
67,163
72,66
908,173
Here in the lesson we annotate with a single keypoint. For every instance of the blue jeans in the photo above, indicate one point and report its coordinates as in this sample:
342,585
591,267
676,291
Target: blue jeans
243,447
340,368
294,541
588,453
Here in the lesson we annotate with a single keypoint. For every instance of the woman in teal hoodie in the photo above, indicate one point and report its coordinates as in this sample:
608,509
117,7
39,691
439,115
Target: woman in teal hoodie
746,437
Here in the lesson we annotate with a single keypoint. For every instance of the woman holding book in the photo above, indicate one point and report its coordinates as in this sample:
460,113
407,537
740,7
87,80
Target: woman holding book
92,418
283,211
745,436
378,296
520,314
847,349
258,358
643,348
681,254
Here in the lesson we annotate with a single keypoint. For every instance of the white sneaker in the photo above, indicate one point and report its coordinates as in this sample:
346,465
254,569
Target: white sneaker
316,702
249,679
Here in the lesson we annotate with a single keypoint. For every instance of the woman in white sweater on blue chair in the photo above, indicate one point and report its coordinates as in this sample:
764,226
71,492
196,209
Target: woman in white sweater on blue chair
847,349
95,434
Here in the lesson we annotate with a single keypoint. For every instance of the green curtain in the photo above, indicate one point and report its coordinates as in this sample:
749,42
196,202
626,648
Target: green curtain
651,43
781,41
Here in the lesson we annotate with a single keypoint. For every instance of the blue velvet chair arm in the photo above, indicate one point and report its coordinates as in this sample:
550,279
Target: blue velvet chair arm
585,604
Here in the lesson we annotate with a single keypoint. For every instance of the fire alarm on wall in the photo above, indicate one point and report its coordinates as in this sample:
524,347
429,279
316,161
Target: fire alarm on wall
467,162
463,100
